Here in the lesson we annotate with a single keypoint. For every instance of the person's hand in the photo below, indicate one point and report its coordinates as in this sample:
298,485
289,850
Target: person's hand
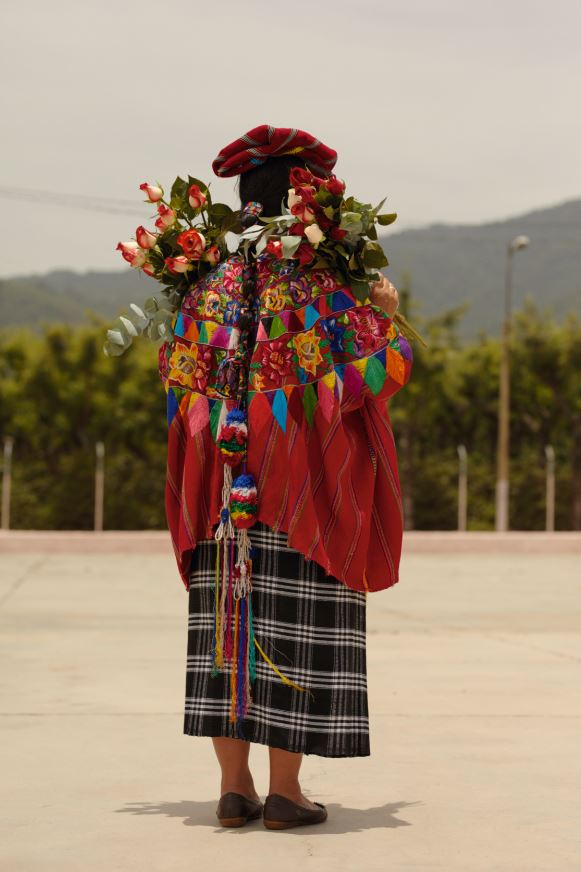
384,295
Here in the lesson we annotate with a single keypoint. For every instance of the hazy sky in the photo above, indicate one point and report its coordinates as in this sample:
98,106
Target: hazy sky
457,110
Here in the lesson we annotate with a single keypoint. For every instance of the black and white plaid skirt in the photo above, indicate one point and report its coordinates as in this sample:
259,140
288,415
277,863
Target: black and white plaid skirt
312,627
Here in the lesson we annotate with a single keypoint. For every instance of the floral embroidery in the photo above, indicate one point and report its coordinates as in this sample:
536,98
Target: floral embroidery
308,350
274,298
192,298
162,361
191,366
231,312
232,277
368,336
212,304
336,334
300,290
324,279
275,360
257,381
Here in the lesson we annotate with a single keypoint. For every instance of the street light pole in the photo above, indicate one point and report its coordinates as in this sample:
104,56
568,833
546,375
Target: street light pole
503,449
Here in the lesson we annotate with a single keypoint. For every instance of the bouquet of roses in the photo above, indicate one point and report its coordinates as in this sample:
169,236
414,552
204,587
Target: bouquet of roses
189,240
320,228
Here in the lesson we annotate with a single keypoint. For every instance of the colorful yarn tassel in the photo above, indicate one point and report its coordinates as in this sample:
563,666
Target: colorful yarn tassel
243,501
232,437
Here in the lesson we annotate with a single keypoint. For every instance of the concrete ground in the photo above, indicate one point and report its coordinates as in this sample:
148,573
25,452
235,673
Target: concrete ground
475,695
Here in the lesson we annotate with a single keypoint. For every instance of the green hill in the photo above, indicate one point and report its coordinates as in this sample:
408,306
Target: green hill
449,264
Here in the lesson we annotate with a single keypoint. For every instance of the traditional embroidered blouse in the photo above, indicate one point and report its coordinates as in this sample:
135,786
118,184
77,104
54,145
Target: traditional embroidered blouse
320,442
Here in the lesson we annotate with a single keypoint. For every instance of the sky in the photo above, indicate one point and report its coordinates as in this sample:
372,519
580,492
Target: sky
456,110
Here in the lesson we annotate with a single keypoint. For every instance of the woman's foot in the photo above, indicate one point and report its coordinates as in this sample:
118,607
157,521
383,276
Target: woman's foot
294,793
280,813
243,786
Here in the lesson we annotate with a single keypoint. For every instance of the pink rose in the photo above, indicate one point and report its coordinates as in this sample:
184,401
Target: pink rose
145,238
127,249
177,265
303,212
192,242
213,254
148,269
132,253
152,192
166,217
195,197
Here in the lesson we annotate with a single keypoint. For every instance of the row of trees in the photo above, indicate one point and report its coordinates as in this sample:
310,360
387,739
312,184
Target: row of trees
59,395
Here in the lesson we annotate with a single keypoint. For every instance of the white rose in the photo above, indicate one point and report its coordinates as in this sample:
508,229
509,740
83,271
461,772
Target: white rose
293,198
314,234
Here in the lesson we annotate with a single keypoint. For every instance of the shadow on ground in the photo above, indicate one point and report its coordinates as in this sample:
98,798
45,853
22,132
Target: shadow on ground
341,818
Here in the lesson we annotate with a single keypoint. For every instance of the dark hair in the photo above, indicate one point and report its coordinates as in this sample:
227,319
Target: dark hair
268,183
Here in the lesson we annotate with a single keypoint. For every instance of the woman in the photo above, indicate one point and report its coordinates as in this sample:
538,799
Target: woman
320,475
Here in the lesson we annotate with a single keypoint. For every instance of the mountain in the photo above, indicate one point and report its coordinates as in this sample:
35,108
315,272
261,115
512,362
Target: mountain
453,263
448,264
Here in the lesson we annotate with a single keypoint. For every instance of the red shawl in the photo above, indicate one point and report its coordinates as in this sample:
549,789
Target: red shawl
320,443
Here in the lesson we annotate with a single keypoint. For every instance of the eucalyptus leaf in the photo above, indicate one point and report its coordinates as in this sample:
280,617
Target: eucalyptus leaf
116,337
151,306
113,350
290,245
262,243
387,218
129,326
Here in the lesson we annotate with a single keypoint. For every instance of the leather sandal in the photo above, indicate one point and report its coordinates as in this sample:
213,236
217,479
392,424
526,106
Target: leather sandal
235,810
281,813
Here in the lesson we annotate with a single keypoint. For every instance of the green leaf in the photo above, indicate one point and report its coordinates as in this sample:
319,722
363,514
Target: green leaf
374,256
290,245
150,306
387,218
351,222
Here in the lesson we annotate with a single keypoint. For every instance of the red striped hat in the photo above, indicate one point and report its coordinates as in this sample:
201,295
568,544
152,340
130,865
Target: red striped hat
264,141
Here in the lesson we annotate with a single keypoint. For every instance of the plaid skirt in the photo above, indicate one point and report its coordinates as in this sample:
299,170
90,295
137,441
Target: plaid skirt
313,629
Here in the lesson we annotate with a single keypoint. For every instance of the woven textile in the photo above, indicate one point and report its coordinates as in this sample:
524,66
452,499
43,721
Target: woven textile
320,445
253,148
313,629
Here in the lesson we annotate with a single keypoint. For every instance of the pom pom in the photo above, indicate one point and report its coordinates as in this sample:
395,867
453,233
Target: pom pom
233,437
243,501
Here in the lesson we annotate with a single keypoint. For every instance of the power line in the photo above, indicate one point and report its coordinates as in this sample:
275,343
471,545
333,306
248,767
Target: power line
74,201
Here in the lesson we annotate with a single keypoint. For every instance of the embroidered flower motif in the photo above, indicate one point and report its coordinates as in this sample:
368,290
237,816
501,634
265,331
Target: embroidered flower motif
191,300
308,351
324,279
300,290
368,335
232,278
336,334
274,298
191,366
231,312
257,382
202,367
212,304
275,360
162,361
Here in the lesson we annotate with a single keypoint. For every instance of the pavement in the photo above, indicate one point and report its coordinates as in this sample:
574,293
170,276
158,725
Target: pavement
474,664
